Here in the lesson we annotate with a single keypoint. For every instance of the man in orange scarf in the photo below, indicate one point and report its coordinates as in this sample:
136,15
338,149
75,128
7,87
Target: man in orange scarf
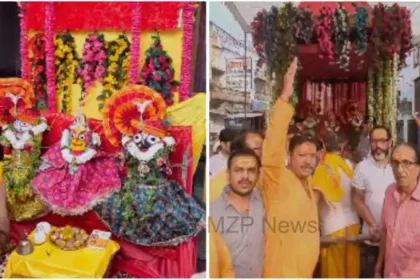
292,234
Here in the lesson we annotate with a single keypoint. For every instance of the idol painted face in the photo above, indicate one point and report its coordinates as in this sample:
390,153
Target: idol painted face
405,167
79,141
148,145
21,126
243,174
380,144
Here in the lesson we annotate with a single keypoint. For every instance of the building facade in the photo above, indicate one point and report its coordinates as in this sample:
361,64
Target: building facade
237,85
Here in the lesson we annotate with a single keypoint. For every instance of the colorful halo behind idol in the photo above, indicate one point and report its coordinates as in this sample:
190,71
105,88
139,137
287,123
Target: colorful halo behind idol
122,107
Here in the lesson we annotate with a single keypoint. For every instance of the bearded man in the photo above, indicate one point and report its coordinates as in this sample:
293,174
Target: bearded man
371,178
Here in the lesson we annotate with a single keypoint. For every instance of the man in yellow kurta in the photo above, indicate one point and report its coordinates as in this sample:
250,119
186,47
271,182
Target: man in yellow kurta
332,178
292,234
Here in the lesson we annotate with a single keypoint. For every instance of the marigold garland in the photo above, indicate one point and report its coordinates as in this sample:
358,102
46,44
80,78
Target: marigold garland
117,68
38,75
92,67
66,62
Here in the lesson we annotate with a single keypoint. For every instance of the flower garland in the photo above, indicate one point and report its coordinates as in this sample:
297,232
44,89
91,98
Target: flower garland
304,25
117,68
38,76
187,49
23,41
342,37
49,37
66,62
406,37
394,97
158,72
391,32
135,49
286,48
370,95
324,31
92,67
257,26
386,89
271,36
361,19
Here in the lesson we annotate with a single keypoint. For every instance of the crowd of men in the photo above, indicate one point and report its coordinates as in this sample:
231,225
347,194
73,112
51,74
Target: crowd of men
286,204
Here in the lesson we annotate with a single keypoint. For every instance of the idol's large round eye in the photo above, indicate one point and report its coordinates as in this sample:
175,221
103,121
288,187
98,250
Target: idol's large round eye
151,139
137,138
82,137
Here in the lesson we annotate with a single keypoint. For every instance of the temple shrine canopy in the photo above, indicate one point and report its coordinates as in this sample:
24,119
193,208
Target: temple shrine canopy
315,67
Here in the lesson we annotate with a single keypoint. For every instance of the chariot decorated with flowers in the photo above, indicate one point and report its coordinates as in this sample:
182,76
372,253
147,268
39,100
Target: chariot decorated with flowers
349,53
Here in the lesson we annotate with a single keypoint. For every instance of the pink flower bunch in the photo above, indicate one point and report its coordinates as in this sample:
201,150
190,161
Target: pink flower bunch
93,66
324,30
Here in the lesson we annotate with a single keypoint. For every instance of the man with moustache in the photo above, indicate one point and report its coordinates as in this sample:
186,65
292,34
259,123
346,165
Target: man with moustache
399,255
290,252
246,139
238,217
371,178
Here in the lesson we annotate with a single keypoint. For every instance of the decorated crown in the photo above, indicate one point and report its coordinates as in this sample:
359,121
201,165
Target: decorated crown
79,125
132,110
28,115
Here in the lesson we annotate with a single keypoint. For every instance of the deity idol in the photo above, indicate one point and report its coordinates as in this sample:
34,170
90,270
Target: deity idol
22,128
75,174
330,124
150,209
352,116
308,115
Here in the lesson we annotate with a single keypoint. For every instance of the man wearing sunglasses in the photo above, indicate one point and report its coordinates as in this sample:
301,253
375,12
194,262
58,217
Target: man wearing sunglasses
399,255
371,178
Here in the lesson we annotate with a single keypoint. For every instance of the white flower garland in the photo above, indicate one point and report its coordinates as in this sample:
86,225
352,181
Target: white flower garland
342,37
19,142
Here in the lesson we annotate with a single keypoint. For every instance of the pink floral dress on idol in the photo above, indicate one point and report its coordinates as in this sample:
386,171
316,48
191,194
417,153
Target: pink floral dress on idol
75,175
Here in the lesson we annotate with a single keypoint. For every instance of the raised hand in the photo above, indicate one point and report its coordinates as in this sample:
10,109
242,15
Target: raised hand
288,80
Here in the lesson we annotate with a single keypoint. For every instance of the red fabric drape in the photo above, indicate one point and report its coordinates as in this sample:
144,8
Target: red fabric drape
341,93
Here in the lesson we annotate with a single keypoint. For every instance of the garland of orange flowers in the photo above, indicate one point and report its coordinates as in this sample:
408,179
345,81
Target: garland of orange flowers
66,62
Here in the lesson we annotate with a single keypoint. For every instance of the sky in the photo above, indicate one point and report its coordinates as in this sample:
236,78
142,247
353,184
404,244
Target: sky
222,17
